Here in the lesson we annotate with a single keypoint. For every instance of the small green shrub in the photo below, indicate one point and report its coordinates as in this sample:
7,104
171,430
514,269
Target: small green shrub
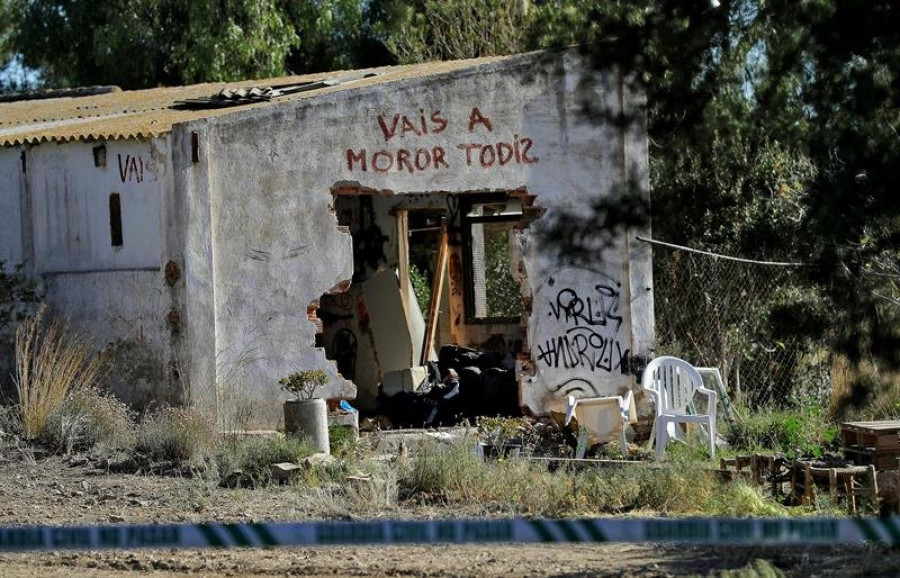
341,440
90,418
178,434
740,499
253,456
303,384
443,469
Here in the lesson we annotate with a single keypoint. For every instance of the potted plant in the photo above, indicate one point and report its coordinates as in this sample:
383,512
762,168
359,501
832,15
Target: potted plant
306,415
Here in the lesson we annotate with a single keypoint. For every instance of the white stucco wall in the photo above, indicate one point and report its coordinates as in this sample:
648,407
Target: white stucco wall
117,295
273,245
70,205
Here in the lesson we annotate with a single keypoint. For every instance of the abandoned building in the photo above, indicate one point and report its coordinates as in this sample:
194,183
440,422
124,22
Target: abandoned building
215,238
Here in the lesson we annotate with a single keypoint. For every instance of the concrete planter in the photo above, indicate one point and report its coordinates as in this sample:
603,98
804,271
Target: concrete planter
308,418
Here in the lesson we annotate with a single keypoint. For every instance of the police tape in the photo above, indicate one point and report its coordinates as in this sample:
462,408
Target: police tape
755,531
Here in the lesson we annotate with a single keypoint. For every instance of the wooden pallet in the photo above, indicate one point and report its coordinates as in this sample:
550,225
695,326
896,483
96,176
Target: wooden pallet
875,443
843,483
871,457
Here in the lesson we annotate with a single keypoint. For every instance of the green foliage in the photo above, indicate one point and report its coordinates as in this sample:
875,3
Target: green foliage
498,431
342,441
233,40
503,294
421,287
303,384
88,419
335,35
7,25
178,434
144,43
805,431
253,456
425,30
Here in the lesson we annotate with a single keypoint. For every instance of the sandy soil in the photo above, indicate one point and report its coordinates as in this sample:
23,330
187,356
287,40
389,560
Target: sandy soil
74,491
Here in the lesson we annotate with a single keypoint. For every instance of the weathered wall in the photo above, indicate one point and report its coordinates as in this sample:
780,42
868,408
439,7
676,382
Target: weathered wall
11,248
501,126
116,294
70,212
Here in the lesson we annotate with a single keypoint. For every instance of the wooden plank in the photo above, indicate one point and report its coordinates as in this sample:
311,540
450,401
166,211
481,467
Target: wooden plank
886,425
437,287
402,217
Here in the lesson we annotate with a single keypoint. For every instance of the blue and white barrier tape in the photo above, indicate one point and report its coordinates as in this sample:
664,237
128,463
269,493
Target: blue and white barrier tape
687,530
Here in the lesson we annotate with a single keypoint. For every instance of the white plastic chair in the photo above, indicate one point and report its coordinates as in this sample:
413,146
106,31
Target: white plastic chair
602,418
671,383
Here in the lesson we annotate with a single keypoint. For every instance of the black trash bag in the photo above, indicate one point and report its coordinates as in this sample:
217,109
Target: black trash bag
500,393
456,357
470,391
432,405
404,409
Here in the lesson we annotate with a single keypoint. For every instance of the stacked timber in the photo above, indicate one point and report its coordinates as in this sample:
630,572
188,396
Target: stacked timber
875,443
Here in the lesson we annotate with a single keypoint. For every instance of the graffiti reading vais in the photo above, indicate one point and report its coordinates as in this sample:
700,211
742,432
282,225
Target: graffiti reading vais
588,334
131,168
515,150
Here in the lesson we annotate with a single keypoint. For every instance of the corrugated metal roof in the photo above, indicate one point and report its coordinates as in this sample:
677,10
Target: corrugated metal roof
149,113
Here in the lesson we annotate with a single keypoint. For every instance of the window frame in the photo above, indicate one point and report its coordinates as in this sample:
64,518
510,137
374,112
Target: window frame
468,260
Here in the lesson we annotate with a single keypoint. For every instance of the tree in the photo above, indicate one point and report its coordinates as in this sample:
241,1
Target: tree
142,43
774,129
337,35
425,30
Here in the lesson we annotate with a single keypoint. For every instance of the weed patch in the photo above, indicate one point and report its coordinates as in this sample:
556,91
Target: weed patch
89,418
178,434
341,440
252,457
453,475
802,432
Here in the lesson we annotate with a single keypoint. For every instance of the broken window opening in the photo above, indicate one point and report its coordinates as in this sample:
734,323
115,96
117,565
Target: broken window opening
492,293
399,328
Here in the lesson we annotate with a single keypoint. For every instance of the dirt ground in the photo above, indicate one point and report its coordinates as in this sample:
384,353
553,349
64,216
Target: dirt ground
54,490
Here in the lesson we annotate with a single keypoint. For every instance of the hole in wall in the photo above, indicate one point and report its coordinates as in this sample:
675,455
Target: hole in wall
430,270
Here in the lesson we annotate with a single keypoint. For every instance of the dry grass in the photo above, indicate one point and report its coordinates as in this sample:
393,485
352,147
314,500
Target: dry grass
453,475
51,362
177,434
91,419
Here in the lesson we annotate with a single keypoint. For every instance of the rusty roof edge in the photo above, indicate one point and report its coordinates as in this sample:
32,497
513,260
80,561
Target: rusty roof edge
99,136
